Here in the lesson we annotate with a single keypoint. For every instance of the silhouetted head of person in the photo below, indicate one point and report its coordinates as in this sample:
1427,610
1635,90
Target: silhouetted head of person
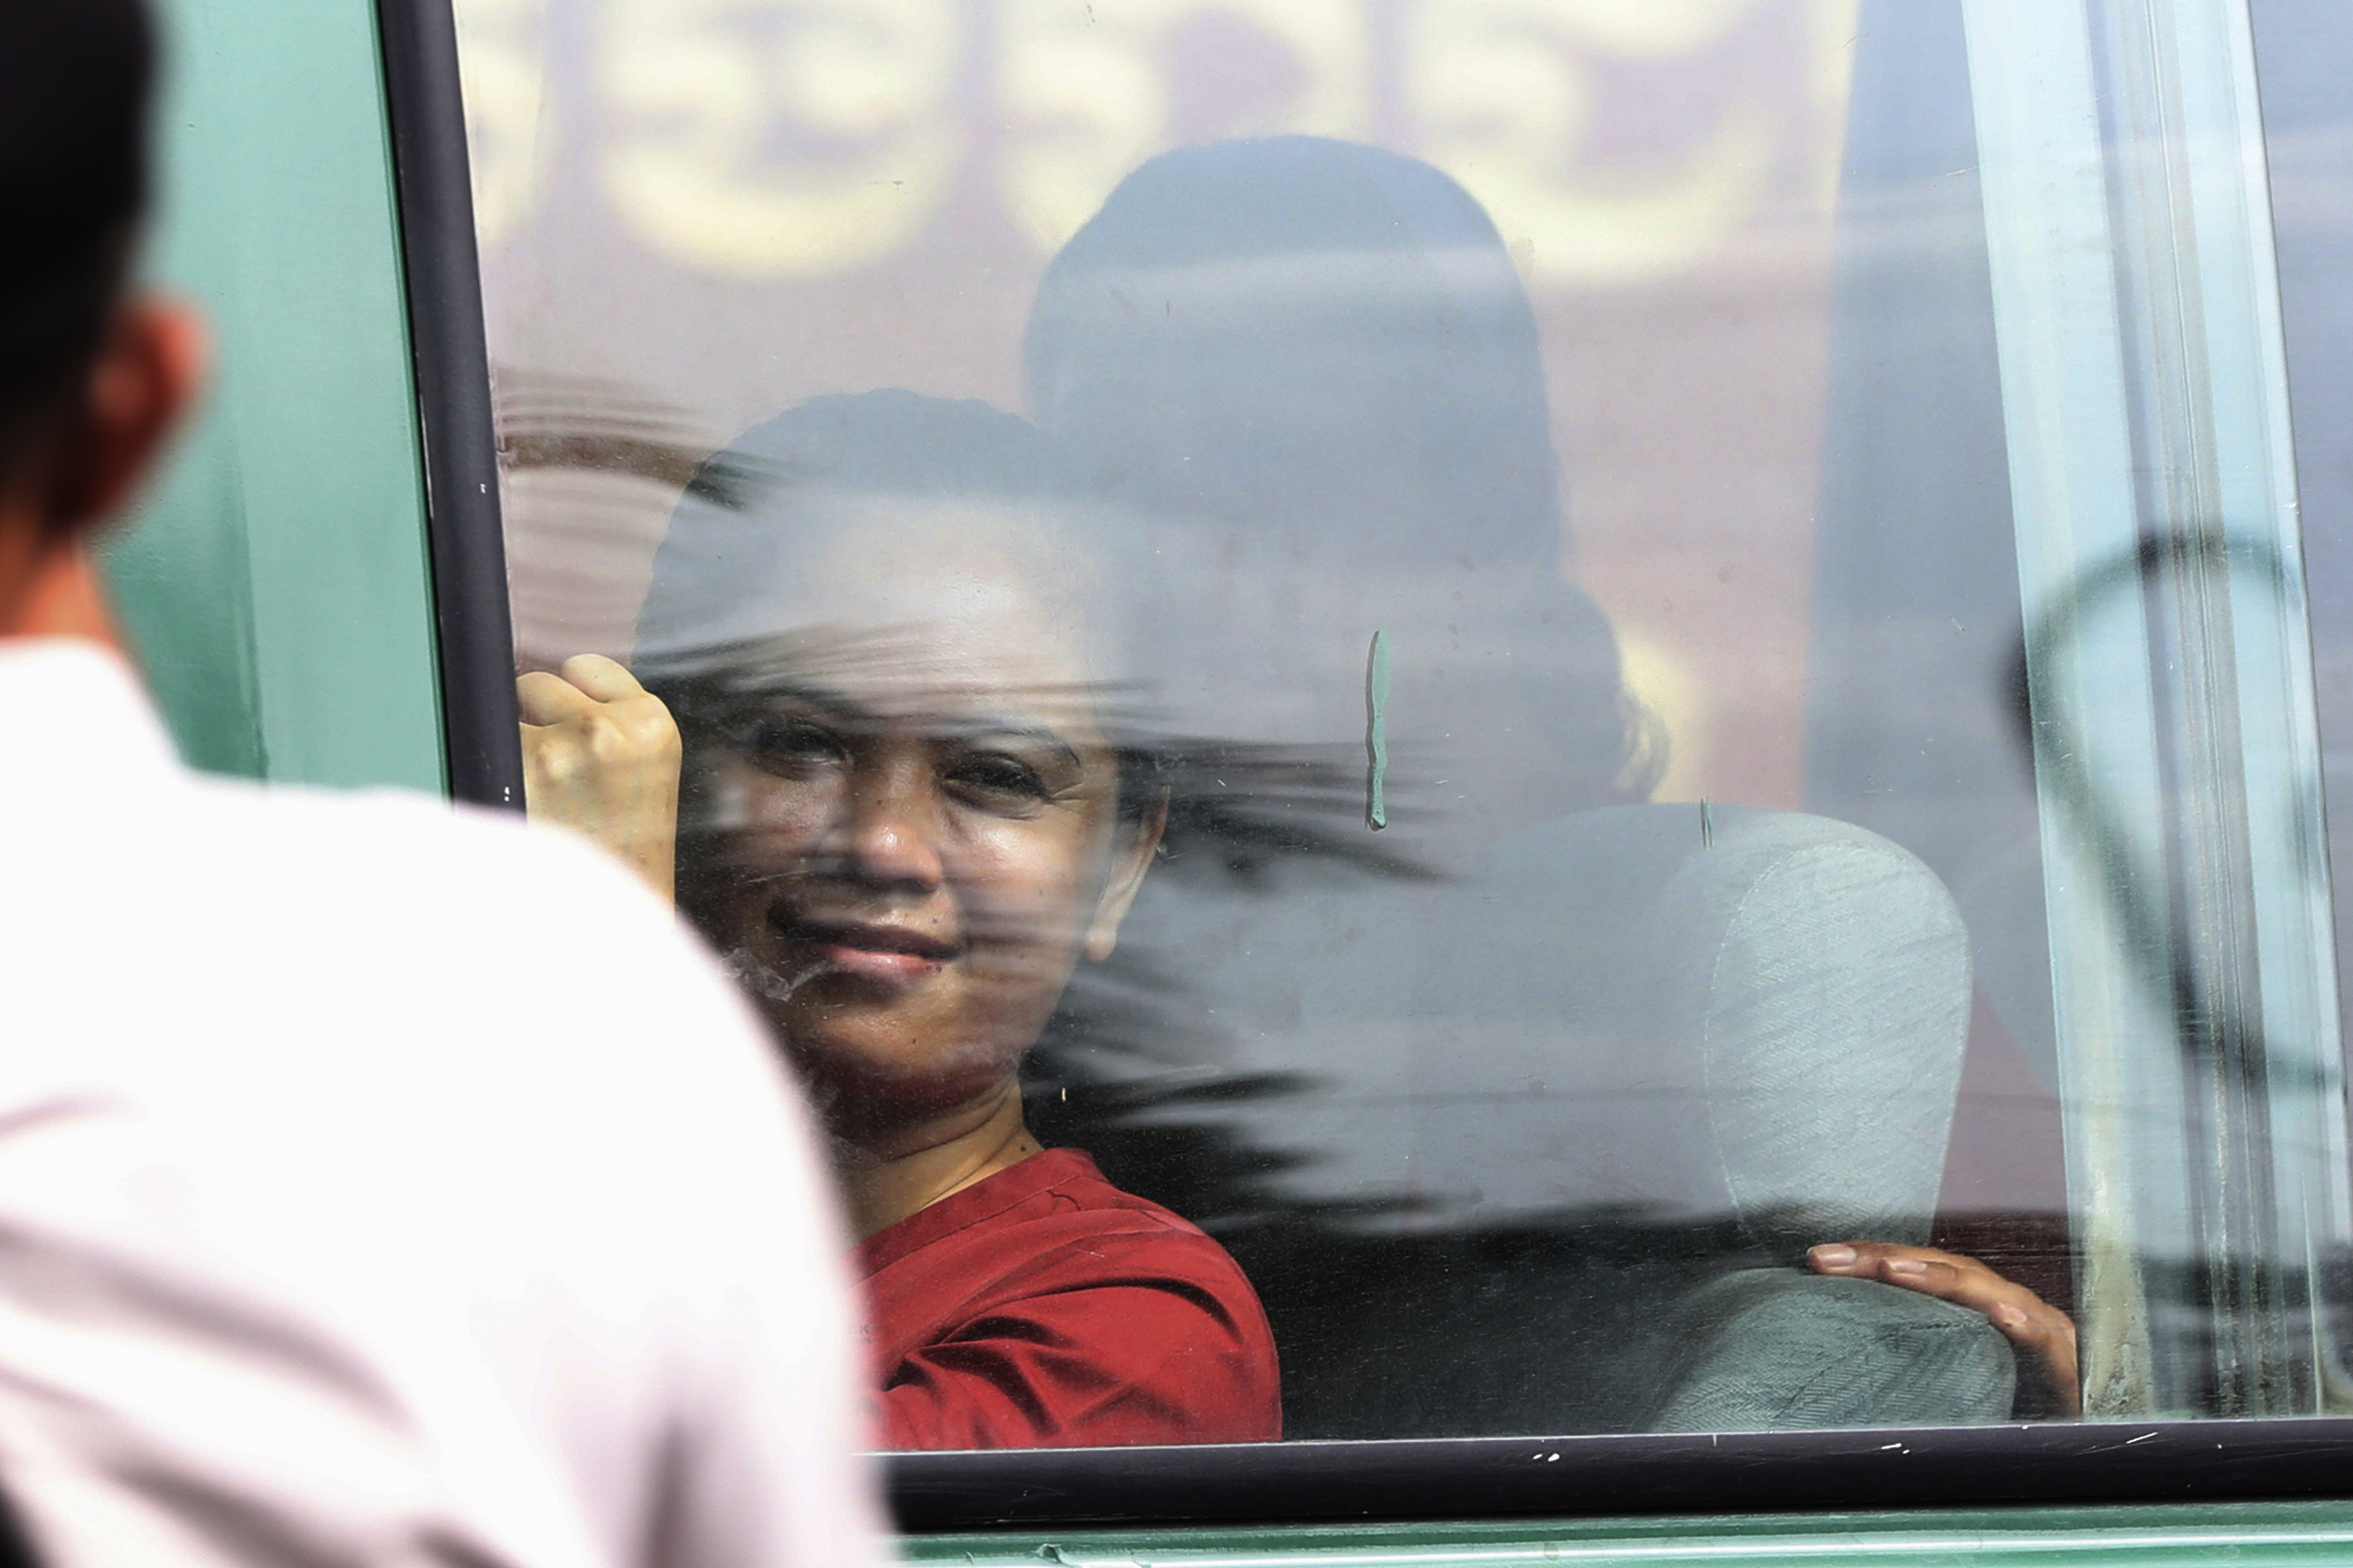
905,818
1306,338
92,375
1310,372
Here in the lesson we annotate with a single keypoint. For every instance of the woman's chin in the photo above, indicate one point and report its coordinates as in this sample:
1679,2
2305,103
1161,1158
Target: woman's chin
875,1071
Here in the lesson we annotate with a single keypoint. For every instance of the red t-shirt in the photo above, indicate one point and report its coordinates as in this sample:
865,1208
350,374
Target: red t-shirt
1044,1307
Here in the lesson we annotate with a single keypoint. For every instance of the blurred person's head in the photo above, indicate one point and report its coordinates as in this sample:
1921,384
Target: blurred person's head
1313,339
1311,371
93,375
905,818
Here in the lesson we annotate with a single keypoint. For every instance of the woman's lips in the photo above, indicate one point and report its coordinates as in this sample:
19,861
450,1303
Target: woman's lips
878,963
895,954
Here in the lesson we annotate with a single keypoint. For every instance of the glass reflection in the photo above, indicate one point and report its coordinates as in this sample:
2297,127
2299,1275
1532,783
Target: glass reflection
1536,1105
914,819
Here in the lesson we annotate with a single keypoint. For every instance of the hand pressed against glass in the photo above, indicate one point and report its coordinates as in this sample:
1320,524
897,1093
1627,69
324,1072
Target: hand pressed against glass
600,756
2043,1336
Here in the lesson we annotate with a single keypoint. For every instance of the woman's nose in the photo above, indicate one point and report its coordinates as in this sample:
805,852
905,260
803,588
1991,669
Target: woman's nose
892,829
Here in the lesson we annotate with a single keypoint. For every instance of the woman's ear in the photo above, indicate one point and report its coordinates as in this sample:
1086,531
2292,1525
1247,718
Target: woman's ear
1135,858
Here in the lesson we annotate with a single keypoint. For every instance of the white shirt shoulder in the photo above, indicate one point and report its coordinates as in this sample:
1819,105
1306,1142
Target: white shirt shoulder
375,1172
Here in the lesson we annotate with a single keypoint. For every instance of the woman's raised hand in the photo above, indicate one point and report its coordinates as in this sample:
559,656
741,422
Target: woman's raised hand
600,756
2043,1336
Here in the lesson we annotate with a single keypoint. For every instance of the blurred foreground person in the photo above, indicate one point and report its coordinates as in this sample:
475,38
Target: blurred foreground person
353,1210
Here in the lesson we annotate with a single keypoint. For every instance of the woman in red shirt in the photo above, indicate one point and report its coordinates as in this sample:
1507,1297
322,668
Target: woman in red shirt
903,819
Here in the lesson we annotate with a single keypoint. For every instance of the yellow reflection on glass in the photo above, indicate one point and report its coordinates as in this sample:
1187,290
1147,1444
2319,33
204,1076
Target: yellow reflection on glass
1503,91
1663,681
763,140
502,71
1087,90
1645,29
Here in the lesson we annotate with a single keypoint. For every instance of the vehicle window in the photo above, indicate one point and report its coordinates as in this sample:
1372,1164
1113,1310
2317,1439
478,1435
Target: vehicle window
1471,717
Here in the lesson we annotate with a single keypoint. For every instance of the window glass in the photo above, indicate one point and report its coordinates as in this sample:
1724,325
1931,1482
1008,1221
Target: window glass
1464,716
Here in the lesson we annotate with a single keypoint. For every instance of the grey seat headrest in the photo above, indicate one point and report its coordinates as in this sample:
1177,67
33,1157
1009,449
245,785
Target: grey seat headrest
1750,1011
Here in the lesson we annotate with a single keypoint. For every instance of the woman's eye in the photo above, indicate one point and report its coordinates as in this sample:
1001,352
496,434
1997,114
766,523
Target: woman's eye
793,746
997,775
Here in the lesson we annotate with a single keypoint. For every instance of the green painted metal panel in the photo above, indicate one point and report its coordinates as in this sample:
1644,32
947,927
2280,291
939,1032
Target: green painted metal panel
277,584
2253,1535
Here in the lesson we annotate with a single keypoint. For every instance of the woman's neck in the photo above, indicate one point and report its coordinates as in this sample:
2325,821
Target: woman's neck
886,1180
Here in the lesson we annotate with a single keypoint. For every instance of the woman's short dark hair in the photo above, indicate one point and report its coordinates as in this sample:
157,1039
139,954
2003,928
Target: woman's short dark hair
76,77
756,508
755,511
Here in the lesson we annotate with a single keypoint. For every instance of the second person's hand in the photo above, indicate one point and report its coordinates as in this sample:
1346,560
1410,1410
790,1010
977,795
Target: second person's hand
2043,1337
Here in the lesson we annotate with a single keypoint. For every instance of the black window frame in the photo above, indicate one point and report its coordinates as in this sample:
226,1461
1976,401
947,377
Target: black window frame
2276,1459
441,270
1403,1481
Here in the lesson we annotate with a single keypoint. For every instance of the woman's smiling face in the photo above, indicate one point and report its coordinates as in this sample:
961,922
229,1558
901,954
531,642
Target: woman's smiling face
919,827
